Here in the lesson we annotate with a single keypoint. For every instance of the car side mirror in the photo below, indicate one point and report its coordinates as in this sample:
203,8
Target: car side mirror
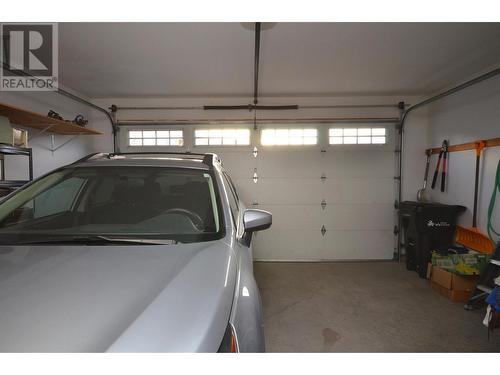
253,221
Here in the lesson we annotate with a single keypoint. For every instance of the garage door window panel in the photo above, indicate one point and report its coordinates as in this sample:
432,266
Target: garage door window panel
358,136
222,137
156,138
289,137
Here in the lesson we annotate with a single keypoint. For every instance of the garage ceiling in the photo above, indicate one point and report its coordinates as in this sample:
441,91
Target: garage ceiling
316,59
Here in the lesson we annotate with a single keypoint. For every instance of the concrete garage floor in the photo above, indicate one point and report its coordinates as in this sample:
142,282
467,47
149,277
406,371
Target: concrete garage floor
363,307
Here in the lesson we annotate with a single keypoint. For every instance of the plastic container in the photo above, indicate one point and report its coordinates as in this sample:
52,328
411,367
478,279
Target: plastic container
426,227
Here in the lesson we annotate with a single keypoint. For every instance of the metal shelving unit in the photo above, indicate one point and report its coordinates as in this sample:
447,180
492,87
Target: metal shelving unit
14,150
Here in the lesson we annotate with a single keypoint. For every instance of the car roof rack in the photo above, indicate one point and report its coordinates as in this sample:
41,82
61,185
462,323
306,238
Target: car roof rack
90,156
208,159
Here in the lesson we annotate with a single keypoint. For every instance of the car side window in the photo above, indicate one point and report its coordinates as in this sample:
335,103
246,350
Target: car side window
233,199
57,199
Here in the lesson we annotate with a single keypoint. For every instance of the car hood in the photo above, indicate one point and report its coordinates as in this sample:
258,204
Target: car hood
115,298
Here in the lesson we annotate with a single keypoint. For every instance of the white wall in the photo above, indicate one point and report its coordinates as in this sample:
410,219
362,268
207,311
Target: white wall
45,160
416,138
470,115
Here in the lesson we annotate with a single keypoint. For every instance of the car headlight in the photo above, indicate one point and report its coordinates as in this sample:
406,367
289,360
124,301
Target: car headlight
229,343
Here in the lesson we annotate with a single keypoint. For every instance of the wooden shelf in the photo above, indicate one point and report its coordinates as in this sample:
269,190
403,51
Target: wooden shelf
34,120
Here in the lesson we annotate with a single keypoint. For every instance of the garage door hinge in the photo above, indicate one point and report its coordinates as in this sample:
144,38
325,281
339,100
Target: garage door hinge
323,230
255,176
255,203
255,152
323,204
323,177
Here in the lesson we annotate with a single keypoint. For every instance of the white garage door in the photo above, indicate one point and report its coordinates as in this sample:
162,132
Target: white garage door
329,201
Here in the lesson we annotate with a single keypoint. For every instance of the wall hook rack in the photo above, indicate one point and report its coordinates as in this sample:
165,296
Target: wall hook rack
492,142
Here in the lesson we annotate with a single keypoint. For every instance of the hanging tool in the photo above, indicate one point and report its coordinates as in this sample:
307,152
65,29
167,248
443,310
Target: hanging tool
443,156
421,196
54,114
472,237
80,120
445,165
491,231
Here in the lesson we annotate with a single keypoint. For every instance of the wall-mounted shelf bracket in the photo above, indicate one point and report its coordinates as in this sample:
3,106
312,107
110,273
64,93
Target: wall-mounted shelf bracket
53,148
39,133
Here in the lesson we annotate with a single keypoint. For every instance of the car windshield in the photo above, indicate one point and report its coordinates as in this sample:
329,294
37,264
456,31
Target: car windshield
181,205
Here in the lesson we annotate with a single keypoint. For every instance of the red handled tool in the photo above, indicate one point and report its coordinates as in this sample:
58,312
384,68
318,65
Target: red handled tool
443,156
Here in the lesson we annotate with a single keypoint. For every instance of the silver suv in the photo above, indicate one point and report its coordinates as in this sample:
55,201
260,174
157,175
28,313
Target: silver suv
130,253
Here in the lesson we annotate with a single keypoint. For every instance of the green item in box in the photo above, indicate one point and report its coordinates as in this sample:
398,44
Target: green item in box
461,264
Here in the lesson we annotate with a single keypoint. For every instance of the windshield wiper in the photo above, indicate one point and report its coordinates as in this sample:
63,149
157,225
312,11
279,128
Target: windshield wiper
98,239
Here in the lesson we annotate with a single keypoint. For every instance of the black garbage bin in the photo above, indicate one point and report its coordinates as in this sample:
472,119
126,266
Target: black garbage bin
425,227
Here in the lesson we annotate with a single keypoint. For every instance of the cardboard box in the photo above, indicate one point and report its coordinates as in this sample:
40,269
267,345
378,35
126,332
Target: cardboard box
456,288
19,137
462,264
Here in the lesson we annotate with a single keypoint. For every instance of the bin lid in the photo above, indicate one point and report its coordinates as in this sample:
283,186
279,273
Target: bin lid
415,205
